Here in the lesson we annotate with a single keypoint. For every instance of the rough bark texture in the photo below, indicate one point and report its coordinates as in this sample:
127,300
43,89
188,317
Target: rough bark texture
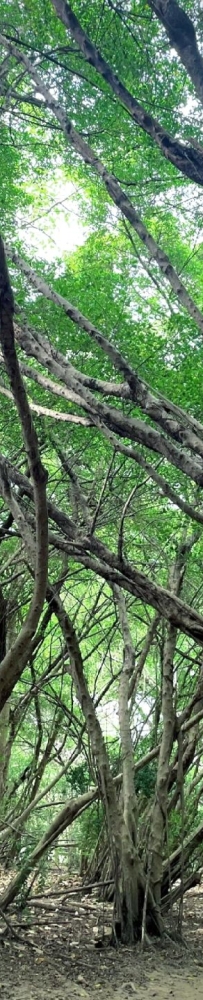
159,811
182,36
129,802
188,160
4,714
15,659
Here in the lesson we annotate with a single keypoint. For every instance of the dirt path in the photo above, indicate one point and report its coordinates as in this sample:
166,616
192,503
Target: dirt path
179,987
21,983
57,957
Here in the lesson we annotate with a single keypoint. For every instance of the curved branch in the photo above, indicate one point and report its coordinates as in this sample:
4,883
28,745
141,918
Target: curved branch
14,661
116,193
98,557
185,158
105,417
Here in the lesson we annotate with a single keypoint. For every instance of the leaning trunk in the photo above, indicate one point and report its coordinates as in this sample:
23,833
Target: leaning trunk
160,808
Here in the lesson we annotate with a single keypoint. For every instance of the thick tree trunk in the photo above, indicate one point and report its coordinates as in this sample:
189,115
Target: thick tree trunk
15,659
4,714
159,812
160,801
4,729
129,858
121,828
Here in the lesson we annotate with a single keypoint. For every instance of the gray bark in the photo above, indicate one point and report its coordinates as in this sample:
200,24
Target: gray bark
182,37
15,659
188,160
159,810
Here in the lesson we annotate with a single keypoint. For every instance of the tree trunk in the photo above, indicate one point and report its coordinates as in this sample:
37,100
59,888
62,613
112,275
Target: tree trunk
130,810
4,714
70,811
159,812
121,828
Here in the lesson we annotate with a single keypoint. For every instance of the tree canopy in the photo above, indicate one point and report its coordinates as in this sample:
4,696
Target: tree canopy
101,427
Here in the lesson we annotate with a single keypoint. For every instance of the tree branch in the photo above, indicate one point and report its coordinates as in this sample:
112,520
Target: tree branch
16,658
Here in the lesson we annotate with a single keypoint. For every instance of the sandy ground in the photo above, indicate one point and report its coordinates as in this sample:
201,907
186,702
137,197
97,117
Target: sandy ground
56,954
23,981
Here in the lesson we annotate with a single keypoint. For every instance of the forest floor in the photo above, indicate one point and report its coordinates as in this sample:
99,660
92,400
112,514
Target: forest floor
53,950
